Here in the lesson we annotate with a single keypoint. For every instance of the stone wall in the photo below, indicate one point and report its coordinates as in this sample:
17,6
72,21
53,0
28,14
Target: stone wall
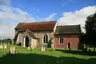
40,36
34,42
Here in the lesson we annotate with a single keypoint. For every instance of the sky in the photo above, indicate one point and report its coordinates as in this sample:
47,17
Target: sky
65,12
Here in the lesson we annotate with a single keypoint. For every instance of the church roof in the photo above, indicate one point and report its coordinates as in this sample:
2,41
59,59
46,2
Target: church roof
36,26
68,29
31,34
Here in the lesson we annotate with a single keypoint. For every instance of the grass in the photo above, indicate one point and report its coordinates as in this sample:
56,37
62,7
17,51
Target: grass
59,56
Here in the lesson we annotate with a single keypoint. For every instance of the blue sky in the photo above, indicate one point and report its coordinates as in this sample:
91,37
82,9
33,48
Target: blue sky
65,12
43,8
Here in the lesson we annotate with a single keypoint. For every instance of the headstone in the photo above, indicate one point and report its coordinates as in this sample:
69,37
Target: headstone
5,46
43,47
28,48
1,46
12,50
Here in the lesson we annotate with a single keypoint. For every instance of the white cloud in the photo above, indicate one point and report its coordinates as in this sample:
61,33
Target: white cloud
76,17
15,13
6,29
9,17
50,17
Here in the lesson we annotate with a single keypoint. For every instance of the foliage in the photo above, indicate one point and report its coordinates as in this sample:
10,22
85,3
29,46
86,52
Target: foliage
90,27
6,41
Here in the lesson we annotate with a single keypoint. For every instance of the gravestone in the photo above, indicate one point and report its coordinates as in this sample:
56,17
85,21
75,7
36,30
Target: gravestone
43,47
1,46
28,48
5,46
12,50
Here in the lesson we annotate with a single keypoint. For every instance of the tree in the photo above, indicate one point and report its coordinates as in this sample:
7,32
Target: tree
90,27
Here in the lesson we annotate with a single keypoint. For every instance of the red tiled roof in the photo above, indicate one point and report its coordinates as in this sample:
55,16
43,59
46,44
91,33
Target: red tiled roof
31,34
38,26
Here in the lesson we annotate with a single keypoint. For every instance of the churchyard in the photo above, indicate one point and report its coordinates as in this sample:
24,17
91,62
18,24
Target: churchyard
14,54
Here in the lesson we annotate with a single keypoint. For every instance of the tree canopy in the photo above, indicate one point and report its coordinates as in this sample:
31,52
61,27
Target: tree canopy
90,27
6,41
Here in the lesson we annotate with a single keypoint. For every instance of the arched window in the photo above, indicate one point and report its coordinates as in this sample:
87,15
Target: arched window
61,39
45,38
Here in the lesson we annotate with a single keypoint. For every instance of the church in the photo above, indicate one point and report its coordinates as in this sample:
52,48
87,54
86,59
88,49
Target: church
35,34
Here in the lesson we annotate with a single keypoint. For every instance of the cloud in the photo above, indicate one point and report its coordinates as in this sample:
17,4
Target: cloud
76,17
15,13
50,17
9,18
6,29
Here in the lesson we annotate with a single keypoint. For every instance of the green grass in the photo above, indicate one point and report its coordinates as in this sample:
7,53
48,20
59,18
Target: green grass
25,56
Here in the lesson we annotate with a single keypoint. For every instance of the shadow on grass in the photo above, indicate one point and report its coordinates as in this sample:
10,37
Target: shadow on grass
42,59
77,52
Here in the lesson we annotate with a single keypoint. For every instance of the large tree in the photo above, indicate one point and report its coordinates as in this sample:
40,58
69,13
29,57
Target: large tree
90,27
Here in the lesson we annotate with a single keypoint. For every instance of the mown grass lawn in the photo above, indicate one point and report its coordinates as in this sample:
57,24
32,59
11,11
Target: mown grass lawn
25,56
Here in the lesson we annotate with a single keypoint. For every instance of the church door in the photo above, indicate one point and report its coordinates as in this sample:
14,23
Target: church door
27,42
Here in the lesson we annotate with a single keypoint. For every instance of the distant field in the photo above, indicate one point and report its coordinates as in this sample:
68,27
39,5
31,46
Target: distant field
60,56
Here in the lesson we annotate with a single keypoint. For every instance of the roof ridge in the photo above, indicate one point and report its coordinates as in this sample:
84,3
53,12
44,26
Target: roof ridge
69,25
39,22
